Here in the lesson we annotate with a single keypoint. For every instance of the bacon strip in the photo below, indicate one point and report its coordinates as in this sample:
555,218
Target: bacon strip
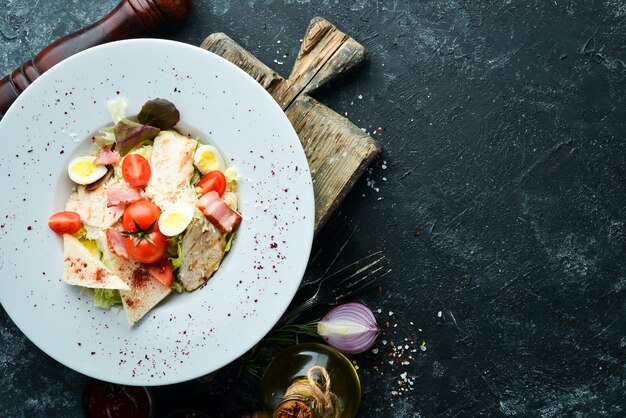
107,156
117,243
125,195
223,217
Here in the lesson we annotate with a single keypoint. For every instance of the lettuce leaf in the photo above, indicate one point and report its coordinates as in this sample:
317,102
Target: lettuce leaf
129,134
195,178
229,241
159,113
175,251
105,138
117,109
105,298
232,174
81,233
92,246
177,286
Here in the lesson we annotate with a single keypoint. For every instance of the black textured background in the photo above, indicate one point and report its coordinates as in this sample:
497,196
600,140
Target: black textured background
499,200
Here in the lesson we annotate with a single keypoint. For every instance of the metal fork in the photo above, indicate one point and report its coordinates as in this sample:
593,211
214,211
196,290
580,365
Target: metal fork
352,278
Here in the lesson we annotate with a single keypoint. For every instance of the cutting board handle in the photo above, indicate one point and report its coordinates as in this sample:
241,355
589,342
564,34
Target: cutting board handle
325,54
129,18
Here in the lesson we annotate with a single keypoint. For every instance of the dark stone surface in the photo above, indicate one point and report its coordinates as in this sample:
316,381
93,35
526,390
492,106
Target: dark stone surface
504,124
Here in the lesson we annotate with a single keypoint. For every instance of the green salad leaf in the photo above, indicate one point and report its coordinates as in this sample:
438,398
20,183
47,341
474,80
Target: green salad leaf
144,149
177,286
104,138
105,298
82,233
129,134
159,113
175,251
229,241
117,109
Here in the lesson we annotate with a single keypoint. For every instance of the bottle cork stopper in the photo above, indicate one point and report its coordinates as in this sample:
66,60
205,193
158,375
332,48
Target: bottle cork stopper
294,409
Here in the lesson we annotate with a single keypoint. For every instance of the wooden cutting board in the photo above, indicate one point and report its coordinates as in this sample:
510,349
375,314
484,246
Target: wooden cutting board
337,150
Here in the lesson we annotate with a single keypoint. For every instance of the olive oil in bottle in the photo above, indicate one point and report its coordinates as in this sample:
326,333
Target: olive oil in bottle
311,381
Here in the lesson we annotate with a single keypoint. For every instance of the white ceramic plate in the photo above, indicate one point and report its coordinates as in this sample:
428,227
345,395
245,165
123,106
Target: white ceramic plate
188,335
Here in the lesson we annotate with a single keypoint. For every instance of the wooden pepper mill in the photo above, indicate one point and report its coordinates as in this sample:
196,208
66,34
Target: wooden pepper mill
130,17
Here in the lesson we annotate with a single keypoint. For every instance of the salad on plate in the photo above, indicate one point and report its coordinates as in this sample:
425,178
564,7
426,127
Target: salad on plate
153,211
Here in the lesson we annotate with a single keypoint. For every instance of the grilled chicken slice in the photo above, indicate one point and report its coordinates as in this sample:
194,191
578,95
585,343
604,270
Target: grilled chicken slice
93,206
203,250
172,167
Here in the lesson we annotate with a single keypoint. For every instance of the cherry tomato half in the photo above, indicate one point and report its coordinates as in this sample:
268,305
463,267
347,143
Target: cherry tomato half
145,251
136,170
162,271
213,180
65,222
143,212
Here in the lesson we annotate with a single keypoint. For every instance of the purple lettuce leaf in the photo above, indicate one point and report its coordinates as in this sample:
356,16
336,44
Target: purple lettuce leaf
129,134
159,113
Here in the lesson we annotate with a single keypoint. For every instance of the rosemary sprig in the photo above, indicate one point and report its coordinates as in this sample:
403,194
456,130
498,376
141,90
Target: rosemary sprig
253,368
287,335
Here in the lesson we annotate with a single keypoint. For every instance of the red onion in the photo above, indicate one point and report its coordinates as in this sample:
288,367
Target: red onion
350,328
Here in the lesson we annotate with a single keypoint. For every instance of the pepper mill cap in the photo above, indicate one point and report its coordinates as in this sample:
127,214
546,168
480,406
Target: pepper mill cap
175,9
